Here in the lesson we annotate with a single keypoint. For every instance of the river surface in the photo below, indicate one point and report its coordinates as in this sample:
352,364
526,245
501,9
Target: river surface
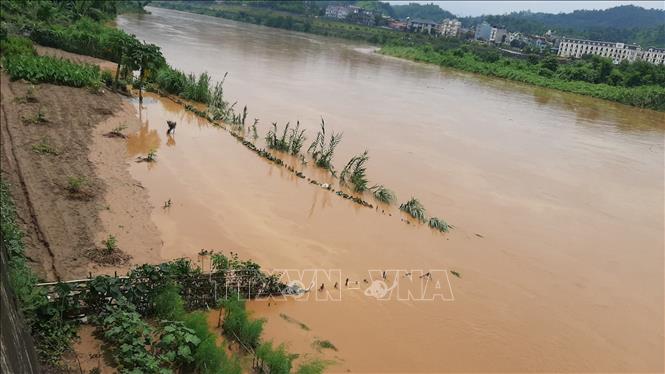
556,199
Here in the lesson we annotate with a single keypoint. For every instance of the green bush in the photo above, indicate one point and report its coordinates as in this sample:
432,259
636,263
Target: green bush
276,359
209,358
44,69
169,304
17,45
238,326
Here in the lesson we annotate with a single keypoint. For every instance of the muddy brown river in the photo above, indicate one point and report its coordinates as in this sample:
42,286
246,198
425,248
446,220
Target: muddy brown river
556,199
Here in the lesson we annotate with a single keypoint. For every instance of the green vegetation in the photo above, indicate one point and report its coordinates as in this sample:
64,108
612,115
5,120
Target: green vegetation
110,244
44,147
51,332
431,12
274,360
355,173
438,224
239,327
324,344
17,45
321,152
414,208
37,118
383,194
292,320
289,142
152,155
75,184
44,69
127,336
638,84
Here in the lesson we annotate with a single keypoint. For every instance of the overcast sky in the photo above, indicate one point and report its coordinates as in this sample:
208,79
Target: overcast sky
477,8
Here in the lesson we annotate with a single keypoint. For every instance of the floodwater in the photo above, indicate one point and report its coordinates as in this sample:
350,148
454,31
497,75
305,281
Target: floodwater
556,199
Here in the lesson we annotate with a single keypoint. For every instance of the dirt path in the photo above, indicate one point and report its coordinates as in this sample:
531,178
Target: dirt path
41,152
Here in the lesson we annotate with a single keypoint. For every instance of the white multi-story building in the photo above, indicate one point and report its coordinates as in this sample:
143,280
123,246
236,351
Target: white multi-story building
654,56
450,28
498,35
337,11
615,51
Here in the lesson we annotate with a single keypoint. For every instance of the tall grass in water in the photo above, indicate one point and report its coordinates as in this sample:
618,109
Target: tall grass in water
290,142
355,172
439,224
275,359
238,326
383,194
321,152
414,208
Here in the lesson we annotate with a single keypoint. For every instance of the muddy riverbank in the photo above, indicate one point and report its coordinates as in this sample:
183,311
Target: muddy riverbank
52,135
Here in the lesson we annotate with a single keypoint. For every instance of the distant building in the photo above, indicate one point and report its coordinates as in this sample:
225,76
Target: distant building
616,51
499,35
337,11
483,32
654,56
351,13
450,28
421,25
397,25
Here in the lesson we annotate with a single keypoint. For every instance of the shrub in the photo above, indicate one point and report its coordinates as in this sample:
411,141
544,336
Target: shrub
321,153
324,344
44,69
17,45
76,184
439,224
383,194
276,360
128,337
414,208
110,244
169,304
209,358
238,326
312,367
355,172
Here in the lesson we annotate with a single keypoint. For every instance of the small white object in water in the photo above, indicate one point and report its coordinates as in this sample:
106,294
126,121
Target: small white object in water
325,185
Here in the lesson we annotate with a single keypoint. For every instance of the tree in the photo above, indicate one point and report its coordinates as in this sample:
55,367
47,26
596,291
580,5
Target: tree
145,58
550,62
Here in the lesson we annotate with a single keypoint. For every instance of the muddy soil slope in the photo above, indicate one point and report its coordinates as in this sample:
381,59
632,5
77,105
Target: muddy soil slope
51,134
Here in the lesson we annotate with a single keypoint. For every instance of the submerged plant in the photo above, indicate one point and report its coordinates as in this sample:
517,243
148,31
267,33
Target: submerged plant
383,194
439,224
255,135
290,142
321,153
414,208
297,139
355,172
152,156
324,344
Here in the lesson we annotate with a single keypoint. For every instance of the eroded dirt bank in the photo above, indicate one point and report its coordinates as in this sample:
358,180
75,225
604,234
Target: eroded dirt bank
51,134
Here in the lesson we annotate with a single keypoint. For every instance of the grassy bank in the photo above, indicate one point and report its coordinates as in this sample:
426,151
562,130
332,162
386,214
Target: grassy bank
646,96
638,84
